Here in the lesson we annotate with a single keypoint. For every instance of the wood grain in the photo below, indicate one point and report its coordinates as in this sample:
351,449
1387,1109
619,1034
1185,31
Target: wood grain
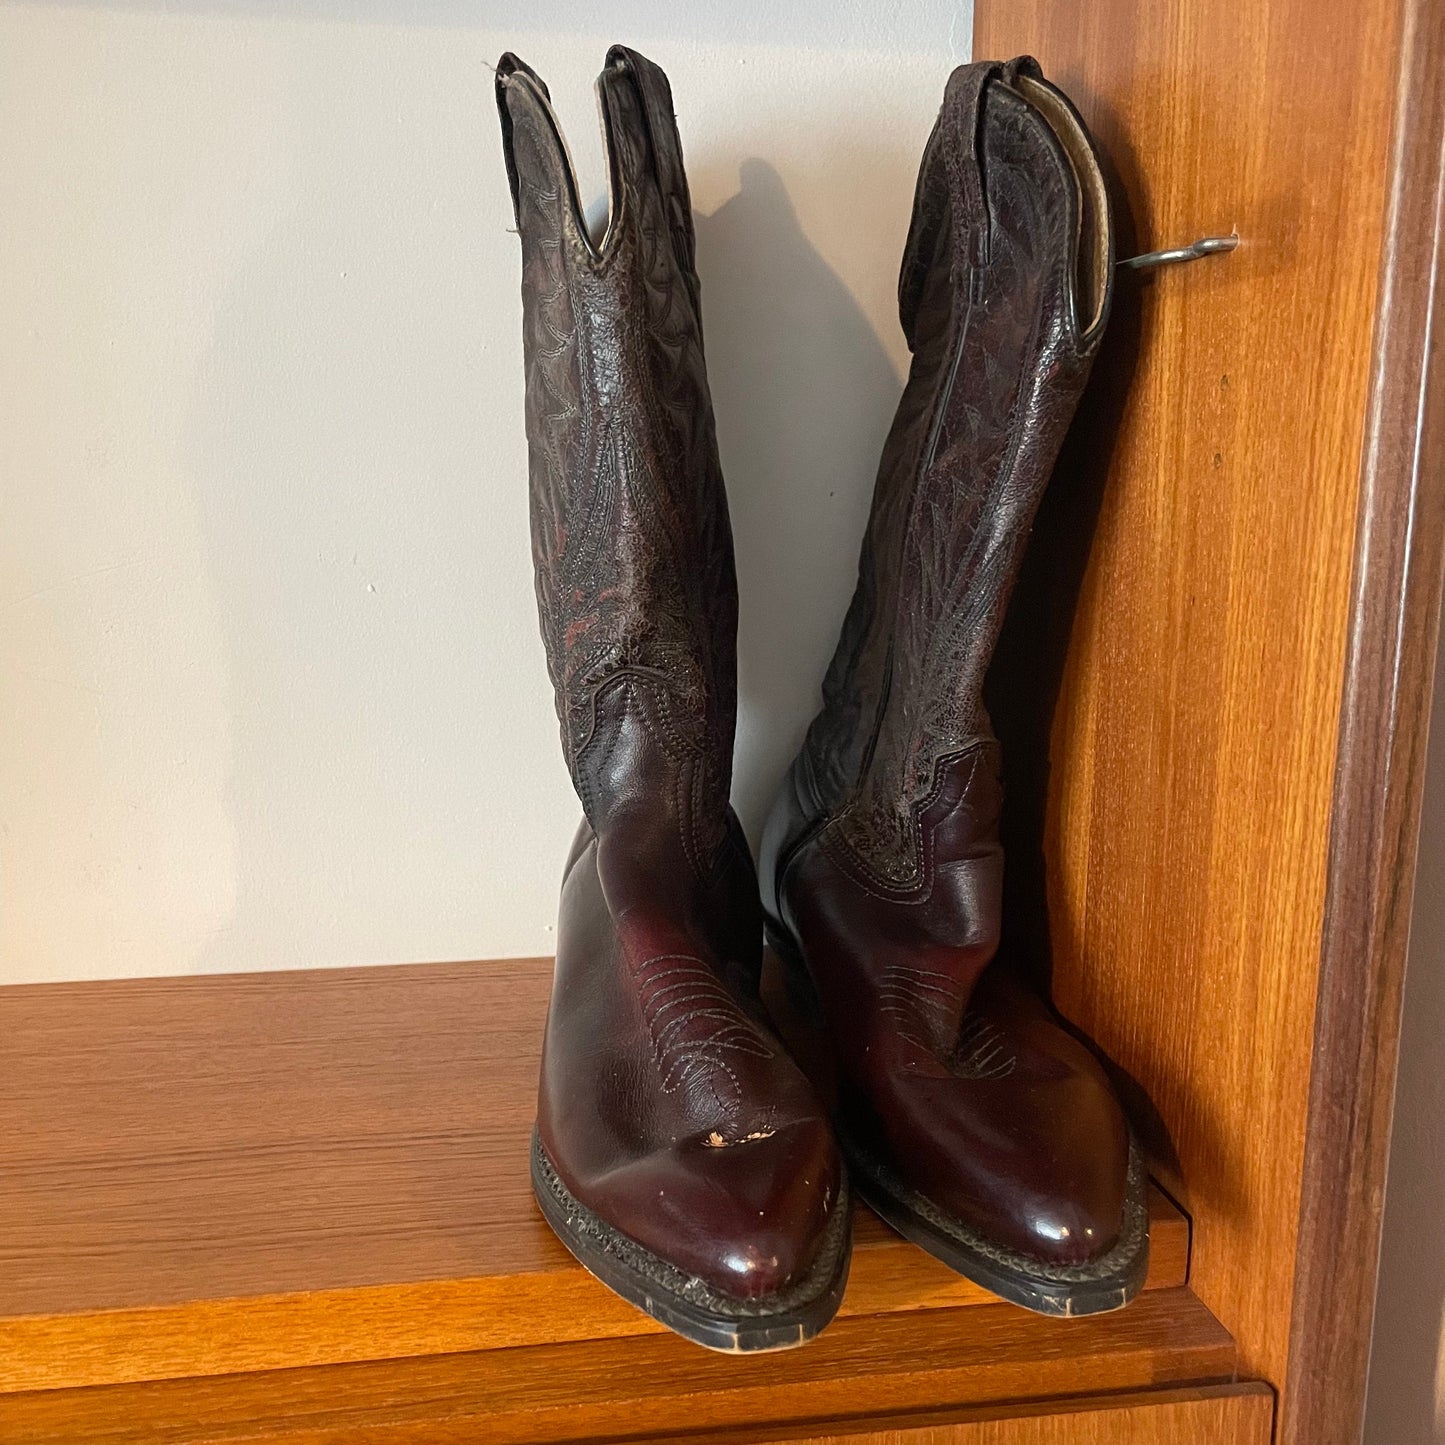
1383,730
210,1175
1384,724
600,1389
1207,1415
1194,740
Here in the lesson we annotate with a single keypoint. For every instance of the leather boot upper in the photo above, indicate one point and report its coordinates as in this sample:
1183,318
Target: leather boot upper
881,858
665,1104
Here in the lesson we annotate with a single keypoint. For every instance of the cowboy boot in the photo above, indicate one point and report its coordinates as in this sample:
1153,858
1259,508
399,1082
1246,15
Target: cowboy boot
679,1153
971,1120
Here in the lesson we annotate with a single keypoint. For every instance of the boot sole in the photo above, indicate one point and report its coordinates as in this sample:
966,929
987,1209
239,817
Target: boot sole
1104,1284
682,1301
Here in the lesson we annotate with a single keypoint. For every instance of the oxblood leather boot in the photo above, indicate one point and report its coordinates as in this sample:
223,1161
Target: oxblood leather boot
679,1153
971,1120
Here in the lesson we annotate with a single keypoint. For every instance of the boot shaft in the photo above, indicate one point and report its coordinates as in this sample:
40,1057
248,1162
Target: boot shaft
630,536
1003,295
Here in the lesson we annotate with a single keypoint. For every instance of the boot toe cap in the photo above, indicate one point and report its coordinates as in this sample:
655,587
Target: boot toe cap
745,1213
1036,1161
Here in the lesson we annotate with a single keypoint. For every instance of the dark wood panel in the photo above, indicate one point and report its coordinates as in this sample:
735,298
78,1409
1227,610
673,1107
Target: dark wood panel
600,1389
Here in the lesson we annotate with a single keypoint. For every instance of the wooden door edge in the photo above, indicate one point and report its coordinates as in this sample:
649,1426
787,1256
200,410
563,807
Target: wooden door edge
1379,772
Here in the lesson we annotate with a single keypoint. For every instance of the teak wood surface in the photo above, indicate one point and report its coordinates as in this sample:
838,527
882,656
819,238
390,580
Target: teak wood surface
1231,807
449,1407
248,1172
655,1384
1218,1414
1384,724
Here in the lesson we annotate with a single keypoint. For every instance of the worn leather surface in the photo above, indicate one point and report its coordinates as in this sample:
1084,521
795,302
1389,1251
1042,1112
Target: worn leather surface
881,858
665,1104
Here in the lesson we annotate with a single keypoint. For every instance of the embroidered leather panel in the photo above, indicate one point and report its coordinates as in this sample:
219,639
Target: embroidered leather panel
631,542
954,500
694,1023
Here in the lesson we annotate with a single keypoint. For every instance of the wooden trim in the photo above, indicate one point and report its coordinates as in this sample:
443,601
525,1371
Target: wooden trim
656,1386
486,1308
1233,1414
1379,771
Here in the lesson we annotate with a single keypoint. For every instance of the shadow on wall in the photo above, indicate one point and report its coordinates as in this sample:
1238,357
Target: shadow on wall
804,392
1406,1400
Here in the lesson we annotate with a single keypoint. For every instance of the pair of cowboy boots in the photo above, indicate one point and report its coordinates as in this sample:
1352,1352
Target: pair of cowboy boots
680,1153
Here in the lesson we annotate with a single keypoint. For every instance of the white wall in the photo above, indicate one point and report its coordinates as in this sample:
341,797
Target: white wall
271,690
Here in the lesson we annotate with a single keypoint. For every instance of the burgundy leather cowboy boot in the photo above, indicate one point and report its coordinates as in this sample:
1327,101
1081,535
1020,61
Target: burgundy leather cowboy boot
679,1152
971,1120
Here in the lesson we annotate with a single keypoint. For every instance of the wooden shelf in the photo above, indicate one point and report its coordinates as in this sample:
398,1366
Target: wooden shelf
599,1389
322,1176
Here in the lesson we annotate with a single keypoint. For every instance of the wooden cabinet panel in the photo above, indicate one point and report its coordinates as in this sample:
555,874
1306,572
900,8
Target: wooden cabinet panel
1194,737
1211,1415
447,1403
591,1389
1231,801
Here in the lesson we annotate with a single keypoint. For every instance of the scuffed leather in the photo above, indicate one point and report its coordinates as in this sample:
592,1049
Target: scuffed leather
881,858
665,1104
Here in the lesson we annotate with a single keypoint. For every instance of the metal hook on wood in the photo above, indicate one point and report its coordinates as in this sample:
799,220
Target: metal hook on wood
1195,251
